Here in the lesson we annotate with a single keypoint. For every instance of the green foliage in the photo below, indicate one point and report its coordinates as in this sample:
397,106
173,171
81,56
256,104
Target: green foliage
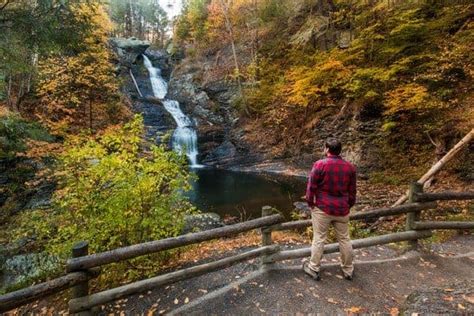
112,195
191,24
144,19
33,28
15,132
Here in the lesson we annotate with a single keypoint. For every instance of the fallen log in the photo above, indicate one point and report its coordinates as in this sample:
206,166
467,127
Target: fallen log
439,165
135,83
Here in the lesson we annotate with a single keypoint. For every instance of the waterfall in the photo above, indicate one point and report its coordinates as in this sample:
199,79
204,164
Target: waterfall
184,136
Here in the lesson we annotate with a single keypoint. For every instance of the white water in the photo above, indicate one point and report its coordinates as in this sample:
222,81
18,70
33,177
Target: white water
184,136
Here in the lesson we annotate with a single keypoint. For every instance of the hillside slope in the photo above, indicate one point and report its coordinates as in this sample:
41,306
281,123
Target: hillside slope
271,79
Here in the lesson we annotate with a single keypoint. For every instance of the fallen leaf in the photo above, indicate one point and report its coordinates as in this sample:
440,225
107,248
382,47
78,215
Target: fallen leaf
394,311
353,309
460,306
469,298
448,290
202,291
331,300
186,300
151,312
176,301
448,298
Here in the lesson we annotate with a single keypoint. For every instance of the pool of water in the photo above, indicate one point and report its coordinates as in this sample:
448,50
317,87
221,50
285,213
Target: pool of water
240,194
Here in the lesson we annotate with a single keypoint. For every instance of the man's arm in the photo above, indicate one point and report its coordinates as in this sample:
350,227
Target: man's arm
353,188
312,185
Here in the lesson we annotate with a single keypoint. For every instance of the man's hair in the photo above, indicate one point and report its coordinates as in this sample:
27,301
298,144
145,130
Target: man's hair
334,146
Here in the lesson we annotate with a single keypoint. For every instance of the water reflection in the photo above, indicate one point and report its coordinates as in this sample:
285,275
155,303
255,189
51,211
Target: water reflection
243,194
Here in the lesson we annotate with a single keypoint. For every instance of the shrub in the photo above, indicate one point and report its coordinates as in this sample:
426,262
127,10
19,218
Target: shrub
113,195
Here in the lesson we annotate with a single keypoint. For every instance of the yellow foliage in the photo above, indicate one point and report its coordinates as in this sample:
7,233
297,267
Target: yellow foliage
309,84
408,97
75,90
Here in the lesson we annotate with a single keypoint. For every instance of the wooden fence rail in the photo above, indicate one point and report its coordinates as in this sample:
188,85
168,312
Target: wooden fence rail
443,225
384,211
356,244
32,293
84,267
448,195
129,252
86,303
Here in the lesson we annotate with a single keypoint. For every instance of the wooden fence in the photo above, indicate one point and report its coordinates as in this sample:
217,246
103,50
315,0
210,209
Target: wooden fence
83,267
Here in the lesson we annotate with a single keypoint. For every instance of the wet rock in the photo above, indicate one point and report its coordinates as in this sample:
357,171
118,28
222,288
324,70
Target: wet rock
128,49
224,152
200,222
211,133
161,59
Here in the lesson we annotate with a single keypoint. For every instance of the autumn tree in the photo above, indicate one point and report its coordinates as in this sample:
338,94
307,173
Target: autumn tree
30,29
81,90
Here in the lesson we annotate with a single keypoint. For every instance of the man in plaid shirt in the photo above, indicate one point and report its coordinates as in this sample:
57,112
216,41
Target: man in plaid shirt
330,194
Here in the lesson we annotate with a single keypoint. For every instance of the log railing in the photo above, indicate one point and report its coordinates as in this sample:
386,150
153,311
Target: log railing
83,267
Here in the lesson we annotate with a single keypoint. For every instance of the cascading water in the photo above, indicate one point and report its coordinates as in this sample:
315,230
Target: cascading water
184,136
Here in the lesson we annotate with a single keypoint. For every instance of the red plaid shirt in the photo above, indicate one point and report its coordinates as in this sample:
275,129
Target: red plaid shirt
332,186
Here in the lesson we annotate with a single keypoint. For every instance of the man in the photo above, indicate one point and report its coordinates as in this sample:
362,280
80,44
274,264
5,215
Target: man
330,193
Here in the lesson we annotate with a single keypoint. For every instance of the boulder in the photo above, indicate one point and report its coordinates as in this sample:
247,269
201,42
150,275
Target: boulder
304,212
26,268
202,221
128,49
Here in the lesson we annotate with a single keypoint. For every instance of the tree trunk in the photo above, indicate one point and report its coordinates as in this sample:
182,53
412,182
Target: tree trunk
228,24
90,115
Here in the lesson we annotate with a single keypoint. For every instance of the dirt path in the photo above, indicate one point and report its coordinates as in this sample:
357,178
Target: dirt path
383,282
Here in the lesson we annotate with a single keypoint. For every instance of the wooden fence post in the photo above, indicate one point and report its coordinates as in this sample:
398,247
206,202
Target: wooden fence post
412,217
266,237
81,249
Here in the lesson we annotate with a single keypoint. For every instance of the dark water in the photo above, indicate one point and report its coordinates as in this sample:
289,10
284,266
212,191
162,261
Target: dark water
243,194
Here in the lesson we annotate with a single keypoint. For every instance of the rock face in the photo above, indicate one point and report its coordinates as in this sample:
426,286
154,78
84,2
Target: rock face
211,105
128,49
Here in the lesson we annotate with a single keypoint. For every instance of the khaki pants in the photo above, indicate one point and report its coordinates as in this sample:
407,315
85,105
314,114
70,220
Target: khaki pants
321,222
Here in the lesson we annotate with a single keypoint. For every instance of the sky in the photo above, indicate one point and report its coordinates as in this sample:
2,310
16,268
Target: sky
172,7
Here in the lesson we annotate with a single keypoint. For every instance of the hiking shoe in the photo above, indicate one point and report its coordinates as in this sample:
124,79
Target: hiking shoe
348,277
315,275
